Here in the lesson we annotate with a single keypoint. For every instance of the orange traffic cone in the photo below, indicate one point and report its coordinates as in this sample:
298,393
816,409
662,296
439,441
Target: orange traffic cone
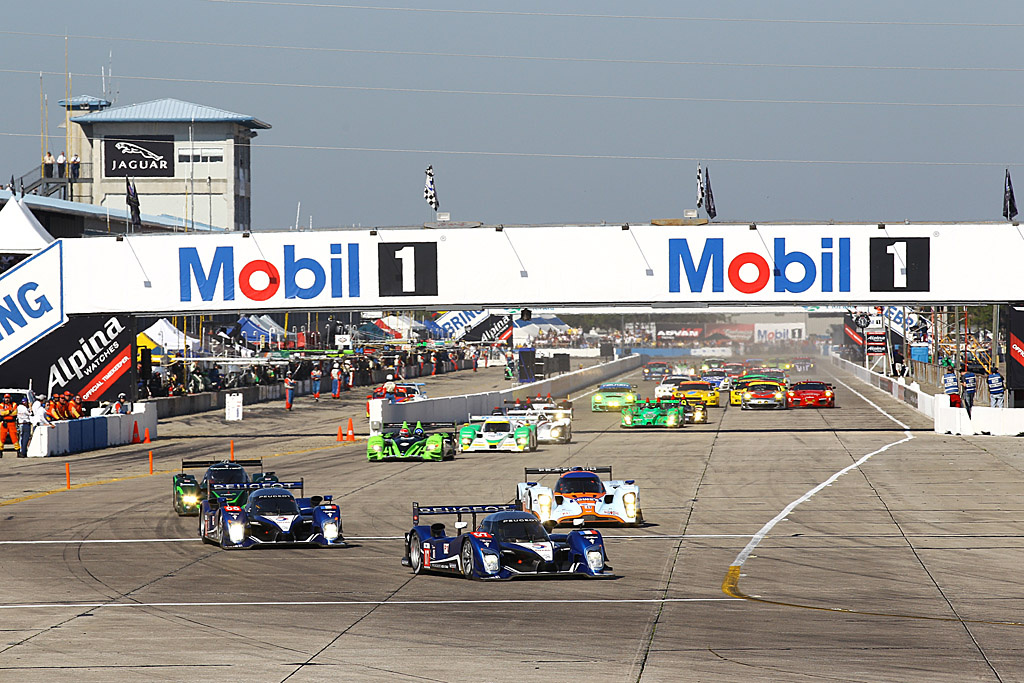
135,433
341,433
146,439
351,432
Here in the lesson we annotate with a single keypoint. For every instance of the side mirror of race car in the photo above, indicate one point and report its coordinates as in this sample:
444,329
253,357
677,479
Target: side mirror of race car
459,526
578,521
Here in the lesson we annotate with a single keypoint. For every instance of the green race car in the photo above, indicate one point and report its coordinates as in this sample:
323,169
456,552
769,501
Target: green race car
613,396
187,494
667,413
403,443
498,433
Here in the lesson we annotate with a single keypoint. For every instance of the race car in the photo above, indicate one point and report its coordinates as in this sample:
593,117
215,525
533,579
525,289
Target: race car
734,370
508,544
497,433
403,443
580,498
550,429
613,396
403,392
740,385
802,365
665,387
777,375
701,390
716,378
695,411
655,370
666,413
270,516
811,395
763,395
187,494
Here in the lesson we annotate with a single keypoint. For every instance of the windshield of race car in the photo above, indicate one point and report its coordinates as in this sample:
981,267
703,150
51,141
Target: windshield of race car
521,531
580,484
615,387
809,386
693,386
715,373
497,427
273,505
232,475
763,388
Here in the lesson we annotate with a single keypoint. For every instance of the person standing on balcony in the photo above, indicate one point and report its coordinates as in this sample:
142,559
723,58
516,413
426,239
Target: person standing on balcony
62,164
76,164
47,165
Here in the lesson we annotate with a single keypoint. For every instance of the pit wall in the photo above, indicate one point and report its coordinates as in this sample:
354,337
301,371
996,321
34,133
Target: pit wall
982,420
458,408
93,433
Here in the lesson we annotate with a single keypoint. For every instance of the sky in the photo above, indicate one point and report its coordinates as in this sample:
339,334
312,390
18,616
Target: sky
561,112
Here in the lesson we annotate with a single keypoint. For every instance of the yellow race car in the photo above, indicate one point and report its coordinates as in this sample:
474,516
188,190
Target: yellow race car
689,391
740,385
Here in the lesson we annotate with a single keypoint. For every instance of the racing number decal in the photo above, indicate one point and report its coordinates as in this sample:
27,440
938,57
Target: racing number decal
407,268
426,555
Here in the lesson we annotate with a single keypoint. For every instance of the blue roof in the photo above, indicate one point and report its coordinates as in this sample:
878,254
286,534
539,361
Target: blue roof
169,110
84,102
117,216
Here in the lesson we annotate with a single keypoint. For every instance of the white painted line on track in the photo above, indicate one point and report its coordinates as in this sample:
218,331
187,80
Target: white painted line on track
195,539
759,536
357,603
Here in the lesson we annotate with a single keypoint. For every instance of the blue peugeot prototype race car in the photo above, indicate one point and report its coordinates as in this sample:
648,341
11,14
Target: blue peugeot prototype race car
508,544
270,516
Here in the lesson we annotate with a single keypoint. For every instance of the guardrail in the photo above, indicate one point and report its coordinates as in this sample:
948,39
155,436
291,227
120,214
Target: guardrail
910,394
458,408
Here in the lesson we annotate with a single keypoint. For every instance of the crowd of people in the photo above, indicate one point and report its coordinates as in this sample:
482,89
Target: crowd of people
19,419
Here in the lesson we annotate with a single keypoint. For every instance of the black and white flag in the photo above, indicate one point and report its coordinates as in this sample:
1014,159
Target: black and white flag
700,187
1009,203
429,193
709,201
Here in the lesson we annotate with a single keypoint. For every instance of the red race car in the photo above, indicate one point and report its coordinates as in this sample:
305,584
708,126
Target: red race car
811,395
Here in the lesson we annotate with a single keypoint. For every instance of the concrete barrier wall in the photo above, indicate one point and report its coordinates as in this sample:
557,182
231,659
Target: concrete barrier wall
459,408
93,433
911,394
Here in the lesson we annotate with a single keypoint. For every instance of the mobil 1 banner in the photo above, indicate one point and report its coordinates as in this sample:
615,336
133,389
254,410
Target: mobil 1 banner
90,356
138,156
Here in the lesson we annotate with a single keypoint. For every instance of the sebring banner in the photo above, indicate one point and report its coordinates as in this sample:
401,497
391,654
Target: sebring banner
465,268
31,300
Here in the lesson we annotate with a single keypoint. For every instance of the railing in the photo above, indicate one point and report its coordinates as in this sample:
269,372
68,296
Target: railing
35,182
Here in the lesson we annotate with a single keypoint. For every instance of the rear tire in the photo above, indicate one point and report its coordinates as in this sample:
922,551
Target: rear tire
415,555
467,559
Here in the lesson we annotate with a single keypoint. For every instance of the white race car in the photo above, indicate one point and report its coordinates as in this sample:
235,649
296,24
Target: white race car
549,430
580,497
497,433
665,387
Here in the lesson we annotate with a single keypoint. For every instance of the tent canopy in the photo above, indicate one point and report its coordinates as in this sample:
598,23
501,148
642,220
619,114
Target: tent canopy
20,232
166,336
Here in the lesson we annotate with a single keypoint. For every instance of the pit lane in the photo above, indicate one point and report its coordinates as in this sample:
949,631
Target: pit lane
919,543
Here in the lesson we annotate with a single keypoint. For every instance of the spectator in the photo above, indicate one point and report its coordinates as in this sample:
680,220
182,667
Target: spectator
76,164
62,163
24,427
996,390
48,165
950,387
970,385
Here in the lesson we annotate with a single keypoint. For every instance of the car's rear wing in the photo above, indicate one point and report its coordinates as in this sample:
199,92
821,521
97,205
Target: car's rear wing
253,486
425,425
527,471
459,510
204,464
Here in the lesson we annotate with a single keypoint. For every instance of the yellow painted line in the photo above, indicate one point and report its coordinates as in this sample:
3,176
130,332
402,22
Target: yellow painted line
139,476
731,587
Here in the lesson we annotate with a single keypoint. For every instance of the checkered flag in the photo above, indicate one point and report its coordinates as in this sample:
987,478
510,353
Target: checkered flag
429,193
700,187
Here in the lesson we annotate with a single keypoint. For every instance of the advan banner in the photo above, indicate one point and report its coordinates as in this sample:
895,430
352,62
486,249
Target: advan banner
90,356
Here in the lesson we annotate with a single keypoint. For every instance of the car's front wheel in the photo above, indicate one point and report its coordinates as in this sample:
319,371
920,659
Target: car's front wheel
467,559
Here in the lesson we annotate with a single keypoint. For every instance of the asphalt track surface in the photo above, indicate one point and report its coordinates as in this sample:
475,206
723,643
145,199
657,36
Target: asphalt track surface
759,560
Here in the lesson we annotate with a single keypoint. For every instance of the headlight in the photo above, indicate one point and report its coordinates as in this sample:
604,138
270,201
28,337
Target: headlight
630,398
828,393
778,396
466,440
629,501
491,564
236,532
746,395
330,530
433,446
190,499
670,420
377,448
522,441
555,432
544,502
628,419
560,415
792,393
598,398
595,559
